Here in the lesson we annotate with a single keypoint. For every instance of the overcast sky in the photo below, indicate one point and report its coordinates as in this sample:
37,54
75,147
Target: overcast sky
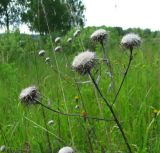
123,13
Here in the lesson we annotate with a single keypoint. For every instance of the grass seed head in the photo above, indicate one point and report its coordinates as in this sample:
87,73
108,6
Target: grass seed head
131,40
99,35
57,40
41,53
84,62
29,95
66,150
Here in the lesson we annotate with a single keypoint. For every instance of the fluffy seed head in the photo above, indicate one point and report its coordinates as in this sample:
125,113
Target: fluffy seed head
84,62
58,48
41,53
29,95
3,148
51,122
131,40
47,59
66,150
77,33
99,35
69,40
57,40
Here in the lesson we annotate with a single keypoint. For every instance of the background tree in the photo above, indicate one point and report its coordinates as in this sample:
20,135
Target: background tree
9,13
53,15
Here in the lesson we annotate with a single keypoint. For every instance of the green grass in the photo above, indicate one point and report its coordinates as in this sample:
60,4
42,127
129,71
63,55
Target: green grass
24,126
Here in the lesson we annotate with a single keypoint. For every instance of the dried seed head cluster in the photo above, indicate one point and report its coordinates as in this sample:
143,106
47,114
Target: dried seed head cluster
66,150
47,60
131,40
99,35
29,95
84,62
69,40
57,40
58,48
77,33
41,53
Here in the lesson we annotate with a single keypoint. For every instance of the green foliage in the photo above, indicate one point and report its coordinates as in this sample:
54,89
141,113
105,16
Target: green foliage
137,106
47,16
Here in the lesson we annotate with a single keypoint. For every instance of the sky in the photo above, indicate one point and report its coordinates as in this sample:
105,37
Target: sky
122,13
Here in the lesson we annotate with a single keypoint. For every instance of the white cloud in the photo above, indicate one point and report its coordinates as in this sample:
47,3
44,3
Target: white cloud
124,13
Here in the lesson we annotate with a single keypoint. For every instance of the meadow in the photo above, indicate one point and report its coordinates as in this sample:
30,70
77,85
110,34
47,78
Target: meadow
26,129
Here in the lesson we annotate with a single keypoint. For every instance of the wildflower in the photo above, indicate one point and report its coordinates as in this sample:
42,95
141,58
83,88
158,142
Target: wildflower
84,62
51,122
66,150
47,59
77,33
76,98
58,48
29,95
57,40
69,40
41,53
3,148
99,35
131,40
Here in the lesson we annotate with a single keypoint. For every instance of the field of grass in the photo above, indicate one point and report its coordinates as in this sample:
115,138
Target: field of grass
26,129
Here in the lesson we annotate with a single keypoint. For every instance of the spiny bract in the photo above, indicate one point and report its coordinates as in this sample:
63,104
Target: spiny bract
29,95
84,62
99,35
131,40
66,150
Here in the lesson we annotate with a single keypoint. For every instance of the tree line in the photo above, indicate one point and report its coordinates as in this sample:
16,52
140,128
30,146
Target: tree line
42,16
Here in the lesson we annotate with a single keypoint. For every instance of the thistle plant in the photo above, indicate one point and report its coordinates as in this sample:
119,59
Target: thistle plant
66,150
83,64
129,42
101,36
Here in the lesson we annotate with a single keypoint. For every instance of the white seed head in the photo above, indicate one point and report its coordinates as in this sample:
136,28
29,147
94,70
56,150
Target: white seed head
57,40
66,150
47,59
58,48
130,40
41,53
99,35
29,95
69,40
77,33
51,122
3,148
84,62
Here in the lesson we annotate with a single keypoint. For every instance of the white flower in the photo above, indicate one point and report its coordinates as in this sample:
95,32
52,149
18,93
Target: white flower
58,39
58,48
69,40
47,59
99,35
130,41
41,53
29,95
51,122
84,62
66,150
3,148
77,33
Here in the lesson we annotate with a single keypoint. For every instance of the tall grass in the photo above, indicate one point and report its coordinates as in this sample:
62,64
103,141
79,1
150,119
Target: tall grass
137,106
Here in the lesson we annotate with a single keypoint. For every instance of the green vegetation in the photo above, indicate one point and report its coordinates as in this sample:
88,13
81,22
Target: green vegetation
23,127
